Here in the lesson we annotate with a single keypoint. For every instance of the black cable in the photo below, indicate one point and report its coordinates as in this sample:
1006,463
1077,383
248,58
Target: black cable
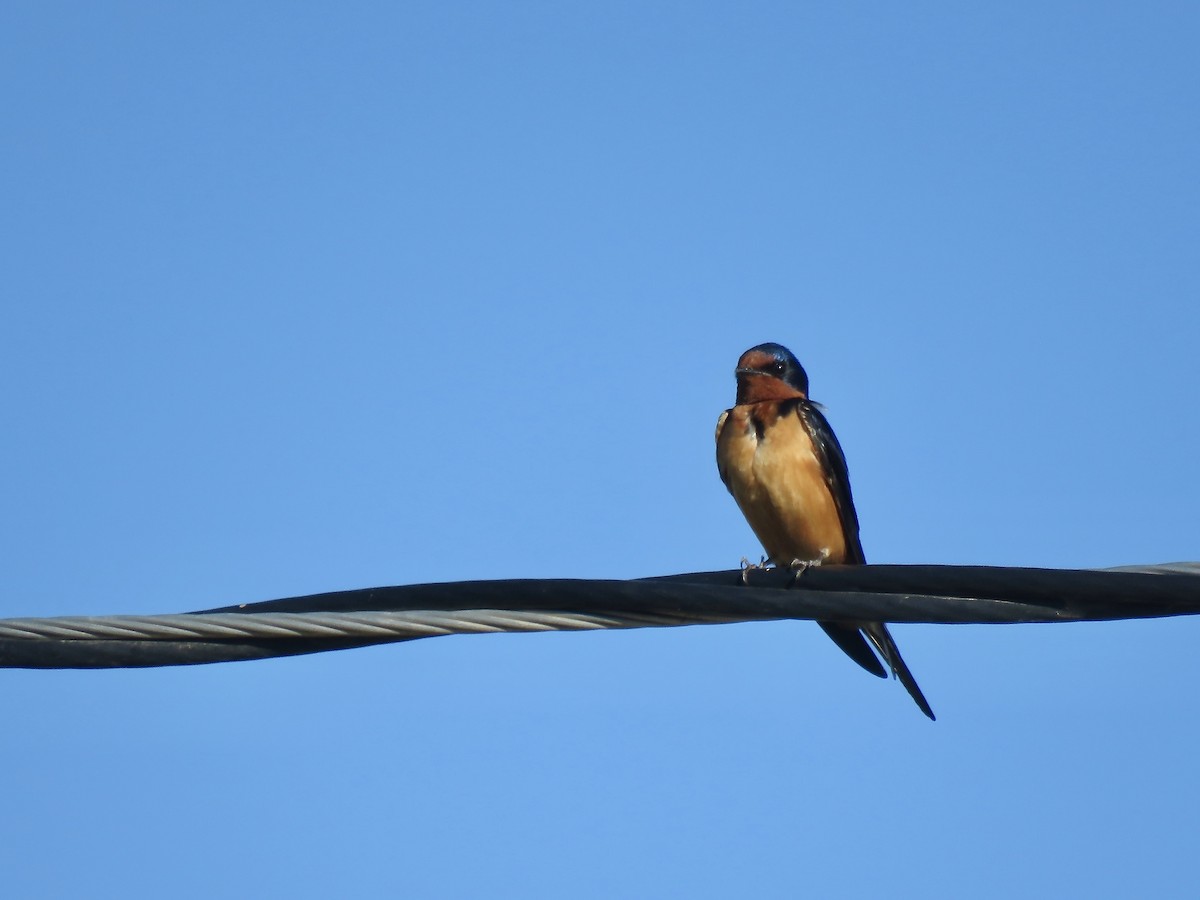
320,622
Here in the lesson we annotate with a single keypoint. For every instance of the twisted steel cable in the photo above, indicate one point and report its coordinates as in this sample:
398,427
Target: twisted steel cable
342,620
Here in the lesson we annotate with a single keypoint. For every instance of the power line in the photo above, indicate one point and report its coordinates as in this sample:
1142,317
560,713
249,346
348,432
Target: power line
359,618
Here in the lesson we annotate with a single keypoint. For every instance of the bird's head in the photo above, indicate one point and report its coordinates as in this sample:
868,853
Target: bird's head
770,372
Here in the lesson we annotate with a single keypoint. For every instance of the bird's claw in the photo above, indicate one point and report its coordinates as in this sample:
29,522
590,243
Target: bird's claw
800,566
747,566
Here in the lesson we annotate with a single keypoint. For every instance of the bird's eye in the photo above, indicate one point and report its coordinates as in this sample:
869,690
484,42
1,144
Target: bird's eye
778,367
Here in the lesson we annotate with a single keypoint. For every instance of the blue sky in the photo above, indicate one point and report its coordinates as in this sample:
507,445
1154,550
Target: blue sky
303,297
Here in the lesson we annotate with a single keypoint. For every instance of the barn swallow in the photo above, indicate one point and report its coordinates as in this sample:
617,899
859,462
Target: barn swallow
782,462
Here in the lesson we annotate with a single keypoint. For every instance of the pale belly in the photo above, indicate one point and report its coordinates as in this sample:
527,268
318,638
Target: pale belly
779,485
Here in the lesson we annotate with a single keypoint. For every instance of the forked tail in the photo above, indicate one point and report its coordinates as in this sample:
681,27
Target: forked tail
882,639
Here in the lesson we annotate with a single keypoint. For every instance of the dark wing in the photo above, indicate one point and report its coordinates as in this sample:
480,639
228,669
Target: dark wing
849,637
837,476
833,462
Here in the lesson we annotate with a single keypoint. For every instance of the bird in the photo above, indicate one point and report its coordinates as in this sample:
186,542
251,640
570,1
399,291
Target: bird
781,461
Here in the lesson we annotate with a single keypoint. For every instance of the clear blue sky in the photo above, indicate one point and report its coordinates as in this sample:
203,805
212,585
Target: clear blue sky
301,297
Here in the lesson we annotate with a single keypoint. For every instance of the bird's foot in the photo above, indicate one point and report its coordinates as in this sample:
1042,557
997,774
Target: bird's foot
800,566
747,566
